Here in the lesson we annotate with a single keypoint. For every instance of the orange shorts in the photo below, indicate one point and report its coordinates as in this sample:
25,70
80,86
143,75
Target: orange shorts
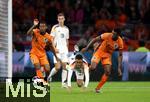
104,57
36,59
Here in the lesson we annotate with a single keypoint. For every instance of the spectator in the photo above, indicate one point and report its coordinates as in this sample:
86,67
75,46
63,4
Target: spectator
142,47
146,19
51,13
141,32
132,11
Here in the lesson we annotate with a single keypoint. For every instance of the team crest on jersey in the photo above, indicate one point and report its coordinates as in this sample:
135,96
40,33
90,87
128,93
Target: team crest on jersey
45,40
115,46
62,35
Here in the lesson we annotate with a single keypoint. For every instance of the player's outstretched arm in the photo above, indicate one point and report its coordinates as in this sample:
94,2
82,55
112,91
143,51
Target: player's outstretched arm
53,49
70,71
91,43
35,23
86,72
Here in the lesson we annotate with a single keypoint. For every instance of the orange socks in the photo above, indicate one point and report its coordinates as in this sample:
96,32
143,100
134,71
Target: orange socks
102,82
39,73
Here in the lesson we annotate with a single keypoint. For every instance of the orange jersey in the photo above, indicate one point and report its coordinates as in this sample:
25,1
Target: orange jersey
108,45
106,48
39,42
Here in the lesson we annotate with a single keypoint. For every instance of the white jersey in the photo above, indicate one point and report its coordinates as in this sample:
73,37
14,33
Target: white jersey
79,72
61,35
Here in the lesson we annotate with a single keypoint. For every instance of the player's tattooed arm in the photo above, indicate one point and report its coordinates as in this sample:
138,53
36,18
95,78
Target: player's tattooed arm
91,43
35,23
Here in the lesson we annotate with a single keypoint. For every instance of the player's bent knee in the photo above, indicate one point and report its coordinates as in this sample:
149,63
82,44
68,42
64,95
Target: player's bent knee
93,65
107,69
47,67
37,66
57,66
107,73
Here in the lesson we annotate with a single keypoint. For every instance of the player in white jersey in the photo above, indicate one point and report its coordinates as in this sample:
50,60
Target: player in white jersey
60,34
78,65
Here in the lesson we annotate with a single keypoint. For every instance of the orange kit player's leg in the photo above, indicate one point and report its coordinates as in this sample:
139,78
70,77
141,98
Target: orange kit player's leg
35,61
106,62
44,62
105,59
95,60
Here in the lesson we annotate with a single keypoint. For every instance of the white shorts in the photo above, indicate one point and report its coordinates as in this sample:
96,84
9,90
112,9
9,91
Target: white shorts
62,56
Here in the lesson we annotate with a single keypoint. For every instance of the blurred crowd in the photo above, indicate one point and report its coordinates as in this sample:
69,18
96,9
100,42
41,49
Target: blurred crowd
86,19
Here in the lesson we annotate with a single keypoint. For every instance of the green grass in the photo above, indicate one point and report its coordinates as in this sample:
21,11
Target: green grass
111,92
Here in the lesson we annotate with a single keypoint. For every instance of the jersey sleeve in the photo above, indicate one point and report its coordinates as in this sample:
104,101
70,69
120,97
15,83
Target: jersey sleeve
120,43
105,36
35,32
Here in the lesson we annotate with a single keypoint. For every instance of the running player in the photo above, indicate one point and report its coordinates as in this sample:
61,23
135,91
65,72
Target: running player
60,35
40,40
78,65
109,42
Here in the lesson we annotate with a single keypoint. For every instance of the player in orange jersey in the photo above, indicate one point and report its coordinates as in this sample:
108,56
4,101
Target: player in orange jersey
109,42
41,41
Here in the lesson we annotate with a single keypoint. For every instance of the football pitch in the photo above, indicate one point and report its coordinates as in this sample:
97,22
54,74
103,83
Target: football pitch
111,92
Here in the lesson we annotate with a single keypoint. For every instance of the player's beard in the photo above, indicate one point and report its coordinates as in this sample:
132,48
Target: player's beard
42,32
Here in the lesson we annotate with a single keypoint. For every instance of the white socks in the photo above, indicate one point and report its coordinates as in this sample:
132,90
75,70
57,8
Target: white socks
52,73
64,76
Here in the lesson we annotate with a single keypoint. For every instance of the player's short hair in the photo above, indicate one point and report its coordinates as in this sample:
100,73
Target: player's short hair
60,14
117,30
79,57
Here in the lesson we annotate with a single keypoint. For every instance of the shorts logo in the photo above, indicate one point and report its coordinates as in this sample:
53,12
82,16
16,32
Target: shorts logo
45,40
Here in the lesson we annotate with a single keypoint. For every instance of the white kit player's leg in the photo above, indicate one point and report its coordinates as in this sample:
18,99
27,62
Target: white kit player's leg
64,59
64,78
52,73
54,69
